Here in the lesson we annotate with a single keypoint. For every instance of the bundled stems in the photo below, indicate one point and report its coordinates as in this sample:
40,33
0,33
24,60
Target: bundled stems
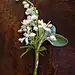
36,62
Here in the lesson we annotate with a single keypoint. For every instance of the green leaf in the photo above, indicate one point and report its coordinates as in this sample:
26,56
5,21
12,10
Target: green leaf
60,40
26,47
41,54
27,50
42,48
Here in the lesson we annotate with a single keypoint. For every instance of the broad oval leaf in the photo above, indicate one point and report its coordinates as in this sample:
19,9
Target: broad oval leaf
60,40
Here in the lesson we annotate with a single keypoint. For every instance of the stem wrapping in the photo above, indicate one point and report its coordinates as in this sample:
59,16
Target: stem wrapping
36,62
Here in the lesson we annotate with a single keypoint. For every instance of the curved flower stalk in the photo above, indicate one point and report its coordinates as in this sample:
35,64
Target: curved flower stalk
36,31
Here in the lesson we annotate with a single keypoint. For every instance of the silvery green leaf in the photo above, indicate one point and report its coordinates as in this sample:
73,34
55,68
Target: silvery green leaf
60,40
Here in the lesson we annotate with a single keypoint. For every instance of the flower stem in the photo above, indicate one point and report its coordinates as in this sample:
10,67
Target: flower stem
36,62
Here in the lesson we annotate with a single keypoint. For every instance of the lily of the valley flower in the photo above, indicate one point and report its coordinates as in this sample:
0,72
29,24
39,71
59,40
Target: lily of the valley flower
29,35
26,22
21,39
32,34
35,28
34,17
53,38
26,6
29,11
20,30
24,2
26,40
43,25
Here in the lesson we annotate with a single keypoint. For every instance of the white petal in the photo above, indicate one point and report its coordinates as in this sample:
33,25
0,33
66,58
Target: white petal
26,40
35,28
40,22
26,6
32,34
21,39
20,30
24,29
24,2
47,29
34,17
29,17
26,22
29,11
53,38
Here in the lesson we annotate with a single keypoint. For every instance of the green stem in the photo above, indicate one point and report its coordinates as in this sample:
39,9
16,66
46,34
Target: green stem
36,62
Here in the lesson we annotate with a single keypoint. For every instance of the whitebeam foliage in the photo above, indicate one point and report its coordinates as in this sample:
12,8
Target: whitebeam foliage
36,32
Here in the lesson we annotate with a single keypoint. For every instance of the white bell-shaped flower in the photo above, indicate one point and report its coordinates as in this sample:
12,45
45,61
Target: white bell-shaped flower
21,39
24,2
26,6
26,40
29,11
26,22
34,17
20,30
32,34
35,28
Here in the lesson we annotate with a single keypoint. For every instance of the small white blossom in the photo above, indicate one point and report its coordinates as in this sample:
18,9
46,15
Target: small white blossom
35,28
24,2
26,40
26,35
53,38
32,34
34,17
26,6
29,11
24,29
40,22
20,30
29,17
47,29
26,22
21,39
29,28
43,25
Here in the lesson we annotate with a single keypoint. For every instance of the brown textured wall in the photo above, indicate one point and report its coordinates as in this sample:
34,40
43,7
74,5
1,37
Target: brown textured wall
60,12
